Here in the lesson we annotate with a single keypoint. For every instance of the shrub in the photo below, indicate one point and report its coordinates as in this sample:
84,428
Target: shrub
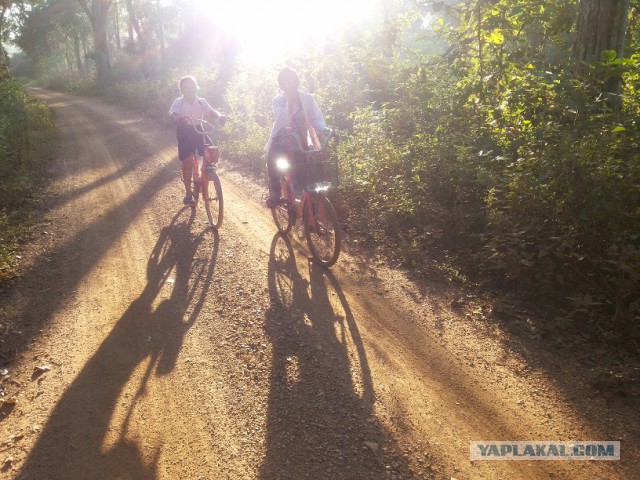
26,134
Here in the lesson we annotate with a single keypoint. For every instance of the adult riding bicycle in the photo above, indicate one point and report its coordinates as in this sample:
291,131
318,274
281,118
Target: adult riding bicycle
205,179
321,227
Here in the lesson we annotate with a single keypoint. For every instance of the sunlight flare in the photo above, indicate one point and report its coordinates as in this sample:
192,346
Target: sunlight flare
268,31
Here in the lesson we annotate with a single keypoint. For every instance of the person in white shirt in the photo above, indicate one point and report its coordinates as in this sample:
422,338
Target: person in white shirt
183,110
293,109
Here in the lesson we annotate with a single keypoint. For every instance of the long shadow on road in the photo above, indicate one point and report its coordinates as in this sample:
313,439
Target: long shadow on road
64,267
320,420
72,443
132,133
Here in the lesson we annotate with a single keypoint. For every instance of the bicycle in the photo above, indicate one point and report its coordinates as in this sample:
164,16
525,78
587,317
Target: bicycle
208,181
321,228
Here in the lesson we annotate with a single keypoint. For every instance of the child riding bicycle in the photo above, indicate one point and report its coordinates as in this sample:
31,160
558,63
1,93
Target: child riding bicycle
184,108
295,110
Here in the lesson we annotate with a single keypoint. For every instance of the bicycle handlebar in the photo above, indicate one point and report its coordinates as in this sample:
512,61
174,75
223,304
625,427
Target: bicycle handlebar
329,133
199,125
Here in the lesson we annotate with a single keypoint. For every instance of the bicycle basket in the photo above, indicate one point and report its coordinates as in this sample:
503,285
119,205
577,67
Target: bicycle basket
324,169
212,154
287,140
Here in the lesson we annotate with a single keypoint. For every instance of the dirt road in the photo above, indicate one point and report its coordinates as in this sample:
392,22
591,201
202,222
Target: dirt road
140,344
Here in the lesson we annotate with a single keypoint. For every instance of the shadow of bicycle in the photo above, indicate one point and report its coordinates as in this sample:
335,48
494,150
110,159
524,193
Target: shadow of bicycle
321,421
84,438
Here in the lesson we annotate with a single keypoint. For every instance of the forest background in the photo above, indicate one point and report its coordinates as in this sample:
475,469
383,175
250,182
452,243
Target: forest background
491,142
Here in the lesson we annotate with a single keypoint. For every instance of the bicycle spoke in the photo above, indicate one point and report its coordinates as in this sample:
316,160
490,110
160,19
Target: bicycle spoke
213,200
322,231
282,214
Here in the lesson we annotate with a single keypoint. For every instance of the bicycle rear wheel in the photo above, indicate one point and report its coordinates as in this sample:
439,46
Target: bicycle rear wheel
322,230
213,200
282,214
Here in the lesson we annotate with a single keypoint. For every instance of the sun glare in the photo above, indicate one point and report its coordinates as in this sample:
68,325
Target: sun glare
268,31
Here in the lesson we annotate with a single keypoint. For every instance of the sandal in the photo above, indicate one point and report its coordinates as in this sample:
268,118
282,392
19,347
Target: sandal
273,201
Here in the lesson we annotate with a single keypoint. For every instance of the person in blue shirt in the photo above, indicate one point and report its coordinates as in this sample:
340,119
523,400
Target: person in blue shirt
297,110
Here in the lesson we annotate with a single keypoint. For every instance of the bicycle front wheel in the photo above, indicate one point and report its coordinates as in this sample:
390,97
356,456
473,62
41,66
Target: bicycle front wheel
213,201
282,213
322,230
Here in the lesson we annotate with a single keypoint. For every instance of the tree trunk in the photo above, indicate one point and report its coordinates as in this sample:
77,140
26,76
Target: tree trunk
163,67
600,25
116,22
132,20
129,24
139,45
76,51
480,49
68,60
98,13
3,59
103,60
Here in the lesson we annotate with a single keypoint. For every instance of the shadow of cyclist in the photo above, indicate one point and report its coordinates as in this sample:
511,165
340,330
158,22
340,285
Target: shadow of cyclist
72,443
320,421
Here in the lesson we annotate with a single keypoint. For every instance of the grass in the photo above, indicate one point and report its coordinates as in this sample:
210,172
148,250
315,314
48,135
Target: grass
27,139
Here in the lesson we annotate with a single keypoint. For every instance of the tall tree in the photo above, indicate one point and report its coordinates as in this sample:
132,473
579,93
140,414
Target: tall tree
6,7
139,45
3,10
51,28
98,13
600,26
116,25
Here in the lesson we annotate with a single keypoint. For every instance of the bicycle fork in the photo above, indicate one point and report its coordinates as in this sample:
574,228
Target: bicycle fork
313,213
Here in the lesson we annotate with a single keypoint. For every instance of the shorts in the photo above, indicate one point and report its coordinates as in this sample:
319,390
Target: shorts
190,142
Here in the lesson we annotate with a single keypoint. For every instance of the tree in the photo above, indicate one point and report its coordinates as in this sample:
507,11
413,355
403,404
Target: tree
98,13
3,10
139,45
52,30
600,27
6,18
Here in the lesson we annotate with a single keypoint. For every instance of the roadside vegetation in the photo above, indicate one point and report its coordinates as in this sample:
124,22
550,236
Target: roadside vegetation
27,137
480,135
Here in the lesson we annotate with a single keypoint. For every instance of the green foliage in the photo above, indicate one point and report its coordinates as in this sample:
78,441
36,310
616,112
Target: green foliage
26,133
375,179
565,214
249,98
490,152
496,154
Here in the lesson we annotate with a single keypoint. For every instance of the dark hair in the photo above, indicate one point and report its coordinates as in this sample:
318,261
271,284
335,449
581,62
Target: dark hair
186,78
284,73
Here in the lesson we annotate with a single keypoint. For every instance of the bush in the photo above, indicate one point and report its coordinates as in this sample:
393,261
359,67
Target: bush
536,185
26,135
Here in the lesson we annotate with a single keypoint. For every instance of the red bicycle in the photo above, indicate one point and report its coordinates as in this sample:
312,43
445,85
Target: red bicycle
321,228
205,179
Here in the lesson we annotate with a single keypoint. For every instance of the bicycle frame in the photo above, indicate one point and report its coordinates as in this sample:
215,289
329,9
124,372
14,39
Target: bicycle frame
207,178
319,218
321,226
284,166
209,160
200,173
